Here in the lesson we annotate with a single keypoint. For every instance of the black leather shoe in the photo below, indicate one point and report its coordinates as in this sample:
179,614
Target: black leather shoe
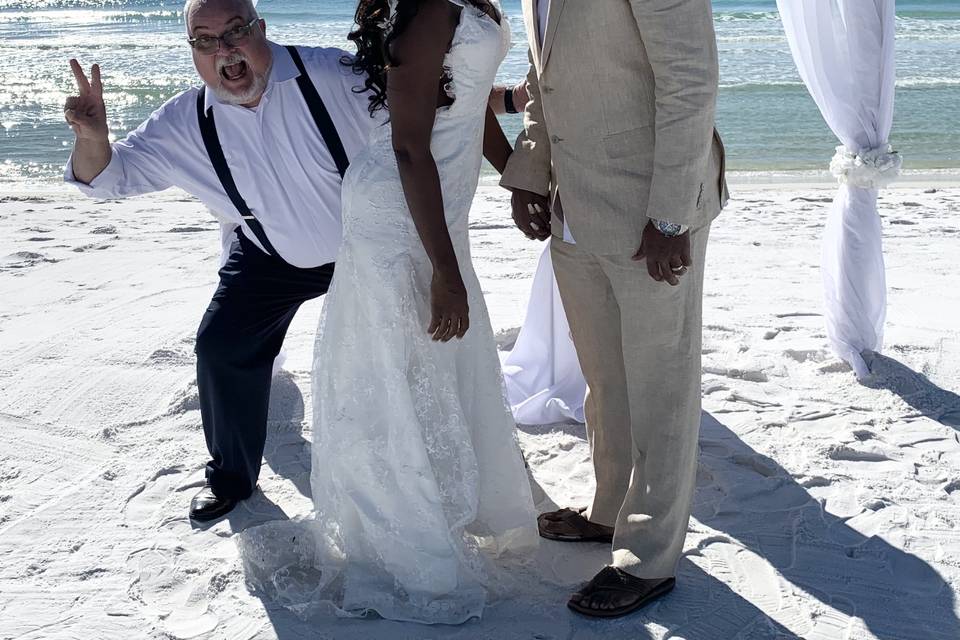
207,506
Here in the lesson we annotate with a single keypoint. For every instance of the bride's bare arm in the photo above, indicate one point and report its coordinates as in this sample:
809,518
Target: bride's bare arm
413,83
496,149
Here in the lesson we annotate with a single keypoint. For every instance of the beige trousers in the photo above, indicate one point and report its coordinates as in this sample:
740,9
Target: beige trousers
638,342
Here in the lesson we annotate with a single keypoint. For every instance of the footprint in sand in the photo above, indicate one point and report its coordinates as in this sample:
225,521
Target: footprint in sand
24,259
146,501
842,452
187,230
100,246
170,588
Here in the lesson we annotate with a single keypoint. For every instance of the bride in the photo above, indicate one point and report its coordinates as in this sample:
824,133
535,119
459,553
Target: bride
418,480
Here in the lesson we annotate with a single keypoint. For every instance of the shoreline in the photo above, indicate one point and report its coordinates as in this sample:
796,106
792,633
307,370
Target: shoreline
800,179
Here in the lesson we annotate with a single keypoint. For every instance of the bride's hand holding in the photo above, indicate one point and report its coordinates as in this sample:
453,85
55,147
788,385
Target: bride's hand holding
449,311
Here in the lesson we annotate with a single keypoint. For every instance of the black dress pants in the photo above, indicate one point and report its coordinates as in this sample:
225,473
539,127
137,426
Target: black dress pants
240,335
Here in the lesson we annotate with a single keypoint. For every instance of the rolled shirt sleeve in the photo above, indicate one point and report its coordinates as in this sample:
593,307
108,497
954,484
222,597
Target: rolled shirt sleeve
138,164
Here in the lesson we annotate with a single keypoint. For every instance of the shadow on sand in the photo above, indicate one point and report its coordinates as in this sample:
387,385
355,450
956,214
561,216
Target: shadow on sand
914,388
760,511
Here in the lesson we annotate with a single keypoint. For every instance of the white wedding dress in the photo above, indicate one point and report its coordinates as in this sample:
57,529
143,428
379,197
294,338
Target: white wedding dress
418,481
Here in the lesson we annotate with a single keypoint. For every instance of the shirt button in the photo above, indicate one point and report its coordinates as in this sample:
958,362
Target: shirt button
546,89
556,139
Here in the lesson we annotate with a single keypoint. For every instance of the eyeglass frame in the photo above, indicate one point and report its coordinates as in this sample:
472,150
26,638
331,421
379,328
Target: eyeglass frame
243,31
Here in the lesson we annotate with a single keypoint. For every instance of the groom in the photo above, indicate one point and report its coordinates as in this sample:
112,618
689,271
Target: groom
619,145
264,143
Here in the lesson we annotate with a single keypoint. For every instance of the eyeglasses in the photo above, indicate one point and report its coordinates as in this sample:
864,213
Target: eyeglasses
207,45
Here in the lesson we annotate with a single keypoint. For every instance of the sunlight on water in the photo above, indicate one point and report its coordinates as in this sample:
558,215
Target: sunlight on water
140,45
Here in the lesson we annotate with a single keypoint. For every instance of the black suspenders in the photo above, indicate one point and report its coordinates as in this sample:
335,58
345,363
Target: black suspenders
321,117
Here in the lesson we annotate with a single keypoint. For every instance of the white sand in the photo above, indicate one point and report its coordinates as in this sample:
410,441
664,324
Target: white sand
825,509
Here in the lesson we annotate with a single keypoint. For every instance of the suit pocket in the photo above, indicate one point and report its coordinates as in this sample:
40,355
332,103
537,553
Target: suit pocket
630,143
721,181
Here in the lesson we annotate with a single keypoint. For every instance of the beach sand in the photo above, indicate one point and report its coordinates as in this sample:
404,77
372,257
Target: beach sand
825,509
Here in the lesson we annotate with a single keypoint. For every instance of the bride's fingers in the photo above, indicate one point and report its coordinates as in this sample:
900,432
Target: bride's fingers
442,324
434,324
464,325
448,329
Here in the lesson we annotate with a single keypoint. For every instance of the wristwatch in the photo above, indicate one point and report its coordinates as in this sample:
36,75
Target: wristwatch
508,104
669,229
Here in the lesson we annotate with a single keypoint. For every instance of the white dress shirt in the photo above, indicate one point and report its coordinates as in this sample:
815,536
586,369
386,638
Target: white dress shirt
276,154
543,10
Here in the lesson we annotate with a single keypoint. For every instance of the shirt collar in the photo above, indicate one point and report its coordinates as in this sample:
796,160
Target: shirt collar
282,69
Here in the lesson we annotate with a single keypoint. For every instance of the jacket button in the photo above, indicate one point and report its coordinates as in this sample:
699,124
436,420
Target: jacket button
556,139
546,89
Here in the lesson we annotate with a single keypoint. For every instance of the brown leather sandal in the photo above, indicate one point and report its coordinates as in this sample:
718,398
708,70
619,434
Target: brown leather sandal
612,582
570,525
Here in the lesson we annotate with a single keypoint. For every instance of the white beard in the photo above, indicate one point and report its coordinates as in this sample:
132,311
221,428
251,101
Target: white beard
254,91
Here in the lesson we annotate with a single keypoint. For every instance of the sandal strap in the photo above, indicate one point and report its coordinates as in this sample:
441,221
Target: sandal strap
576,521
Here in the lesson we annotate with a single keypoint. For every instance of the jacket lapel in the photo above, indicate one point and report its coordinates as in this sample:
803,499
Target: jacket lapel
556,7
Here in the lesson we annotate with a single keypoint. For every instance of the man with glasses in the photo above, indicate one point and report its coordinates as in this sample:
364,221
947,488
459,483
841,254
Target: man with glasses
264,144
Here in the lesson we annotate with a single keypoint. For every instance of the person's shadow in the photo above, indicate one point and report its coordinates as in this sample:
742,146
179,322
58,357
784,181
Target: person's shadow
761,508
774,530
914,388
763,514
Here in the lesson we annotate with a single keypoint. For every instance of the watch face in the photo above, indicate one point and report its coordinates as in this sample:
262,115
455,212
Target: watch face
669,229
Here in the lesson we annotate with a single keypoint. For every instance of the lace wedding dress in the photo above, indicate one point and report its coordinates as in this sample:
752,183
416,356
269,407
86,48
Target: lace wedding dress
418,481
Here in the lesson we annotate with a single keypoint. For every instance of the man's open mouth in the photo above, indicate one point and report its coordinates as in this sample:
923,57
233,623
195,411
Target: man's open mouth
234,72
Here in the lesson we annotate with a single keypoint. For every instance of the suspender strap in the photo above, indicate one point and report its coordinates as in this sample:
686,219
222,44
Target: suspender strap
320,114
208,130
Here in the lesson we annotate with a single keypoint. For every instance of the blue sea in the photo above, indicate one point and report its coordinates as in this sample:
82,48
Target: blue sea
767,119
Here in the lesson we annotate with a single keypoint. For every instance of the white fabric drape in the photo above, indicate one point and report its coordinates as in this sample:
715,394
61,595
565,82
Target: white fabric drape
542,373
844,51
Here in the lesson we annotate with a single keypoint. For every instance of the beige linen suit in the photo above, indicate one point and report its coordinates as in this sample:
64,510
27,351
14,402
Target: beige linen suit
620,124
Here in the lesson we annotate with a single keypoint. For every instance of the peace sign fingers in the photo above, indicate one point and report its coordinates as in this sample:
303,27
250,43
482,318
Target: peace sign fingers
96,85
82,83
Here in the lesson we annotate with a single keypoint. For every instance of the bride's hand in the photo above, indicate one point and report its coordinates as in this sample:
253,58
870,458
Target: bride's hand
450,314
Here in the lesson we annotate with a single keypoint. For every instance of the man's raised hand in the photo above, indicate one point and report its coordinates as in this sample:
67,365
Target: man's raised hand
86,113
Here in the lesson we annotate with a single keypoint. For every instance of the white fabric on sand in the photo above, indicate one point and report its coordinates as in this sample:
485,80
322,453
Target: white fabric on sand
542,373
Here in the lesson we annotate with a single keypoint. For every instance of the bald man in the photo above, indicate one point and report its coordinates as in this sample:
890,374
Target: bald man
264,143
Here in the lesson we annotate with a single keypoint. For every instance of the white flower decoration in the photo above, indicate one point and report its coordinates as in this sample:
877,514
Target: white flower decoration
868,168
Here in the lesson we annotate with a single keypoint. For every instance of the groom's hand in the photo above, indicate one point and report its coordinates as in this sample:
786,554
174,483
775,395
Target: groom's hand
531,214
667,257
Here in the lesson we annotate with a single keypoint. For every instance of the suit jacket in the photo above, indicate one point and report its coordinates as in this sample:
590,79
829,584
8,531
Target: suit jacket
621,117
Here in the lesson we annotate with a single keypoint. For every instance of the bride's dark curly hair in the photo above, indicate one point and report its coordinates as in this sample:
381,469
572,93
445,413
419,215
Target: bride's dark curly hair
373,44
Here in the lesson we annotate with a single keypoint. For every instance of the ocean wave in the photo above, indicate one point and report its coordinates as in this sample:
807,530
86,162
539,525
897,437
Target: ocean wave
746,16
774,85
66,18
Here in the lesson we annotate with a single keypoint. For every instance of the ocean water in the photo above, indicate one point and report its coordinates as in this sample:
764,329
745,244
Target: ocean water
768,121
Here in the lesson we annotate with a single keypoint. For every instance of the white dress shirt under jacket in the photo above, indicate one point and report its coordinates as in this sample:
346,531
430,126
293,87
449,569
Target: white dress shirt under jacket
276,154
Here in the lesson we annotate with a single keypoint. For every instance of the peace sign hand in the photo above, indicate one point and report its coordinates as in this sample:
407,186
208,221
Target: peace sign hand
86,113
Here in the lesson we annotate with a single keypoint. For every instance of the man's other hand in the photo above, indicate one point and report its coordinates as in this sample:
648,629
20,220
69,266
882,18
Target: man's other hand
531,214
667,257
